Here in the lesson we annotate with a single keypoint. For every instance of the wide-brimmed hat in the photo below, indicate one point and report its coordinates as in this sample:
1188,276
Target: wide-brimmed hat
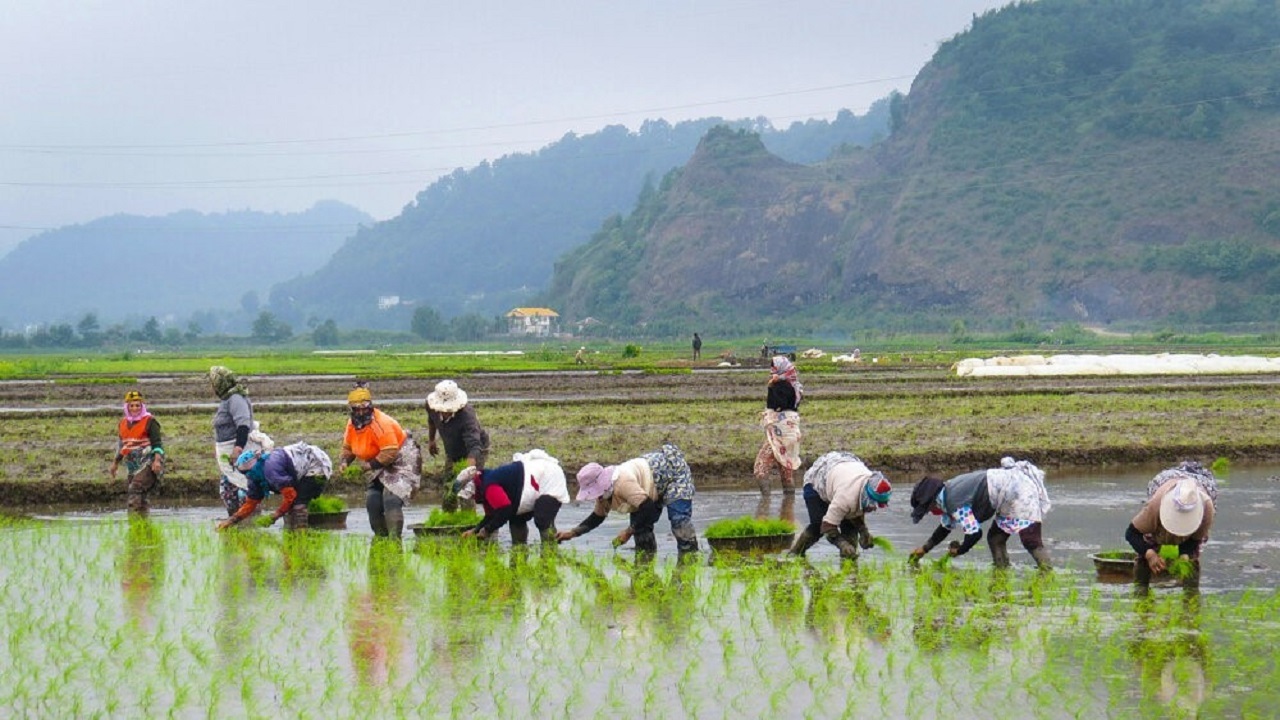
1182,508
447,397
594,480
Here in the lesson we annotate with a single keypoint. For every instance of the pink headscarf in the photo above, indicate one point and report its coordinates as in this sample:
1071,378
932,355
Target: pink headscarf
785,369
135,396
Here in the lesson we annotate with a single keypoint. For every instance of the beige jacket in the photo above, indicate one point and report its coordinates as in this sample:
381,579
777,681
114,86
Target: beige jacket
632,485
845,484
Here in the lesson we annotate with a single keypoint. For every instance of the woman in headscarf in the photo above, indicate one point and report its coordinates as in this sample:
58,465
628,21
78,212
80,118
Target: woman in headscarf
451,417
781,421
640,487
296,472
388,455
232,423
531,487
1014,494
141,448
839,491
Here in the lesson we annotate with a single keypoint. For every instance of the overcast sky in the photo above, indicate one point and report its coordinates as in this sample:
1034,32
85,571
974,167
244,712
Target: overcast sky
152,106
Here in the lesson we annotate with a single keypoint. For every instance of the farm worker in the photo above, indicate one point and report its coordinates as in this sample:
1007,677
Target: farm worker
839,491
456,422
697,346
781,422
141,448
1013,493
296,472
640,487
1179,511
232,423
532,486
579,358
388,455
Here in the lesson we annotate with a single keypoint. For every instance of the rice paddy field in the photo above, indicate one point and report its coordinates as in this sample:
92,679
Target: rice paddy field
112,617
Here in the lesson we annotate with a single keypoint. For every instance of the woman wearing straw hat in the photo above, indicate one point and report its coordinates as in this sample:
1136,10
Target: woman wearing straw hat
839,491
1179,512
142,450
455,421
1014,494
641,487
389,457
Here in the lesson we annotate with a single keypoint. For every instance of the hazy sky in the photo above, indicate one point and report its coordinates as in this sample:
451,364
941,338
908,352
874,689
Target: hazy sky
151,106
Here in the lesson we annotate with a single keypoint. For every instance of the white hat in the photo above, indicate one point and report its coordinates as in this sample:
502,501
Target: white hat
447,397
1182,508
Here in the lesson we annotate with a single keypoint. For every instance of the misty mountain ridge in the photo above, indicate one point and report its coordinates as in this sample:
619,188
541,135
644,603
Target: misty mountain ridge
129,266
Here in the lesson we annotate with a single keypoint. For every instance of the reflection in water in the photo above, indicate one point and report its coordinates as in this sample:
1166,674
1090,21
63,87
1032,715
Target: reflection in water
142,569
375,619
1171,652
786,509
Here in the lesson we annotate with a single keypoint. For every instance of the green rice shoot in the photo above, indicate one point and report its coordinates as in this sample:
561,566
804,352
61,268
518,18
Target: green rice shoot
747,526
326,504
457,518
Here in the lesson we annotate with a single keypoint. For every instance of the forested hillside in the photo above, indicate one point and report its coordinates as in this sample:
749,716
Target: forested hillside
1063,160
483,240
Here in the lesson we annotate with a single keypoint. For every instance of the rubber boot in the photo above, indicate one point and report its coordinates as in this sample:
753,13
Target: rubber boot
297,518
1141,571
848,550
377,516
395,522
1041,555
999,544
646,541
519,534
804,541
686,539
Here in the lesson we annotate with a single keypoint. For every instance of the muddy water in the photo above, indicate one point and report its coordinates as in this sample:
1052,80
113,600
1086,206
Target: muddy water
1090,513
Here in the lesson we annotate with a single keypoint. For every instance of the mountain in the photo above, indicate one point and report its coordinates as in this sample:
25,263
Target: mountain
485,239
130,266
1061,160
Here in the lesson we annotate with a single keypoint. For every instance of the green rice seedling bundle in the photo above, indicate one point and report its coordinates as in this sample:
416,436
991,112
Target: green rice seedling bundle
748,526
456,518
327,504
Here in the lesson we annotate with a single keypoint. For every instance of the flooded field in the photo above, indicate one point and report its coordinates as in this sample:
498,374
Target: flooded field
109,617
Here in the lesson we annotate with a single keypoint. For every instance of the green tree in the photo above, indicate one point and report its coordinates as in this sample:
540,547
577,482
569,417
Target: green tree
151,331
89,329
268,328
325,334
428,325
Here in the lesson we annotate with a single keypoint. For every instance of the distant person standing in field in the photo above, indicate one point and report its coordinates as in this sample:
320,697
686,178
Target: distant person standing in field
232,423
579,358
455,421
142,450
697,347
781,421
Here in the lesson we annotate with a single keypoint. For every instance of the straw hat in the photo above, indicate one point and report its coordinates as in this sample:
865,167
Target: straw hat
1182,508
447,397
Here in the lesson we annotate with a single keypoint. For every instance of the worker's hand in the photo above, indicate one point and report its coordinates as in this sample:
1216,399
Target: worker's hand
866,541
622,537
565,535
432,448
226,524
916,555
469,533
157,465
115,466
1155,562
953,548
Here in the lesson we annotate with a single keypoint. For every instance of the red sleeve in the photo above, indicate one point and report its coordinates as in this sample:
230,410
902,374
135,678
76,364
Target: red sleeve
246,509
288,496
495,498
